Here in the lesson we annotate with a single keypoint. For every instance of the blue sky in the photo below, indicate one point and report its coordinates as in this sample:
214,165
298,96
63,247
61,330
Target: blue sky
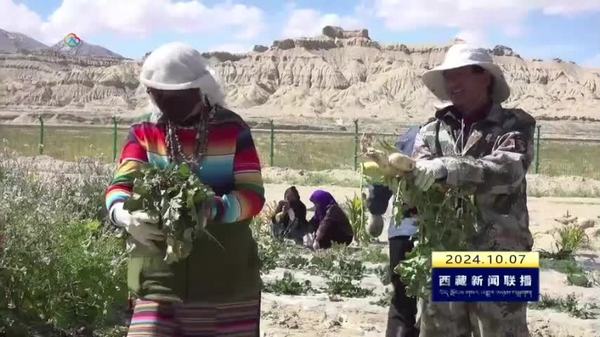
533,28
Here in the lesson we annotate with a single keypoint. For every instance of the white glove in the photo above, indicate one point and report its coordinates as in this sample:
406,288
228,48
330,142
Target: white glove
375,225
308,240
291,215
427,171
140,225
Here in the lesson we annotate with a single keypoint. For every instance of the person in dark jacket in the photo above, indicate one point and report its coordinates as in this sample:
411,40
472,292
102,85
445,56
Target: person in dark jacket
289,221
330,222
403,309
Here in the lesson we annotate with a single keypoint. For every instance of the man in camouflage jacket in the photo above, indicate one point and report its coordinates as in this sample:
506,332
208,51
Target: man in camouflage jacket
476,144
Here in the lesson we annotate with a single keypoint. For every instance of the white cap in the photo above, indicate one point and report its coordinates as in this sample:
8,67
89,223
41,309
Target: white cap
178,66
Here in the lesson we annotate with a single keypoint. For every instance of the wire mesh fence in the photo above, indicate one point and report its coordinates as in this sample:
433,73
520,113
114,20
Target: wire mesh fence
304,150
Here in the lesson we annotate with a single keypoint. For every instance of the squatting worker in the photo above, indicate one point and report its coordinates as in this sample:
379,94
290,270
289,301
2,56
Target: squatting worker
216,290
477,144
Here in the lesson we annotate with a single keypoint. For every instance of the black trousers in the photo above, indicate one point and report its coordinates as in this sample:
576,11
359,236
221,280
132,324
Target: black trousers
403,309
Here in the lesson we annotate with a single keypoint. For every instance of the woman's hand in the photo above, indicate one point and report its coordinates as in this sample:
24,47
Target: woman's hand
279,216
140,225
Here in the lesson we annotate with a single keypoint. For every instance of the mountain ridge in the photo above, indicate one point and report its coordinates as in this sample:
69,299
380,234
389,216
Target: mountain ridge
329,79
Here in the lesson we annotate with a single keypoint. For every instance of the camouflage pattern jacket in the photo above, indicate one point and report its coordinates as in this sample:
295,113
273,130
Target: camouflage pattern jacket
492,161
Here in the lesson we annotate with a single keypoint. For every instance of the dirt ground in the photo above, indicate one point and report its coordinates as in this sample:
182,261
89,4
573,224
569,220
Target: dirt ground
316,315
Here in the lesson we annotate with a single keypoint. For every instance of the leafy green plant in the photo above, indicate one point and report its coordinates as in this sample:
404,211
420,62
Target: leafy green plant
357,215
342,286
569,305
576,275
383,272
293,261
385,299
374,254
269,252
174,195
446,223
59,268
338,259
565,266
260,225
66,274
569,238
579,280
70,277
351,269
321,263
288,285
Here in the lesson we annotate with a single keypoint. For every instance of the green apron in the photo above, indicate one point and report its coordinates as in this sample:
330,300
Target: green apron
219,270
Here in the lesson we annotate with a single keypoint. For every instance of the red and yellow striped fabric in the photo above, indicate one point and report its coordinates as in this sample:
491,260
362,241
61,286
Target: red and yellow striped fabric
231,165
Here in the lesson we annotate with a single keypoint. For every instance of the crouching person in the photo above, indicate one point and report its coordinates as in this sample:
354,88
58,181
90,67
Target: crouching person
330,222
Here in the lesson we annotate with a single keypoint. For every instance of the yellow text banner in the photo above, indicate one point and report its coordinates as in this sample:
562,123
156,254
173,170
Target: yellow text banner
485,260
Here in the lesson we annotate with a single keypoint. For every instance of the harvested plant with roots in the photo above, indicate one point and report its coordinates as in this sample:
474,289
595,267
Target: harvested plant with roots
446,215
173,195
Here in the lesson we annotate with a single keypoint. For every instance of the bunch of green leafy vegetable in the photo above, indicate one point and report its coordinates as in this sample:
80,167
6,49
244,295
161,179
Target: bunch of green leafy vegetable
446,222
446,218
175,196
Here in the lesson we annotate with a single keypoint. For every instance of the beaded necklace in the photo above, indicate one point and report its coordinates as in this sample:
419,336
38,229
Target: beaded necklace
174,147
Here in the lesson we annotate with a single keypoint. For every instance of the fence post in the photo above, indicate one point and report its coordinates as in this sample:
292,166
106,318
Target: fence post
272,148
537,151
362,203
41,144
355,144
114,119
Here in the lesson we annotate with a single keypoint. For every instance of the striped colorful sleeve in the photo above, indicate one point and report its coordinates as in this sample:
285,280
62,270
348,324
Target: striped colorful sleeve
133,158
248,196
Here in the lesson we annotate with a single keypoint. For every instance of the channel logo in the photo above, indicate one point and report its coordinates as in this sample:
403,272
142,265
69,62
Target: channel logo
72,40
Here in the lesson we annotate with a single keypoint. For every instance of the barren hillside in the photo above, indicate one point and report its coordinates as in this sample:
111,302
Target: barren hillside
330,79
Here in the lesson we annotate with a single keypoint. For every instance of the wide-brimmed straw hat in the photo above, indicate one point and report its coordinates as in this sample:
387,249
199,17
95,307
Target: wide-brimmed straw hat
461,55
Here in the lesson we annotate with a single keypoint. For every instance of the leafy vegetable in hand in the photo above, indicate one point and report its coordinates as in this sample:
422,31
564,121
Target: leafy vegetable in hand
175,195
446,216
446,220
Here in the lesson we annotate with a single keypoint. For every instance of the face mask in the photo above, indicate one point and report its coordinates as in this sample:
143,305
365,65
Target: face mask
177,106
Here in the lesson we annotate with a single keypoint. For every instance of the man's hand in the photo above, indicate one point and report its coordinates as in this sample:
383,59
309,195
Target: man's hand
140,225
427,171
375,226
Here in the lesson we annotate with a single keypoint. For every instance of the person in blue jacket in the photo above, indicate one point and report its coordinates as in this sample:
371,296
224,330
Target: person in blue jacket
403,309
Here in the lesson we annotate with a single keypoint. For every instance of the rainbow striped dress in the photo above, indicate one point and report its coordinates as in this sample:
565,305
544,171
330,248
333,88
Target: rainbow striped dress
218,286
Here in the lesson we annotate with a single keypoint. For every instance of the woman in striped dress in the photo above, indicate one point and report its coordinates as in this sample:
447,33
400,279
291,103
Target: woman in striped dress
216,290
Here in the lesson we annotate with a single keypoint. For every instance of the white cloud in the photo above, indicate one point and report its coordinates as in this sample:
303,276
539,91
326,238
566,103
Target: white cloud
136,18
472,36
310,22
570,7
18,18
473,18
